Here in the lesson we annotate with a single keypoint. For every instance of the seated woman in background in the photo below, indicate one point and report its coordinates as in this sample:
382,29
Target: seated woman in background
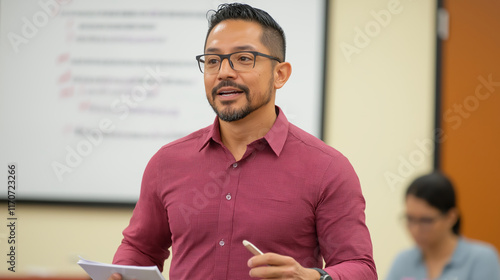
441,253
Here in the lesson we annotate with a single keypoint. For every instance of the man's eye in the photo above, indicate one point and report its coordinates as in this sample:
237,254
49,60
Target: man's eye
212,61
244,58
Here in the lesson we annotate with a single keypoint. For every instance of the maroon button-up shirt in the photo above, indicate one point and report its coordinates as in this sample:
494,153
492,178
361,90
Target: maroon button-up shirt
290,194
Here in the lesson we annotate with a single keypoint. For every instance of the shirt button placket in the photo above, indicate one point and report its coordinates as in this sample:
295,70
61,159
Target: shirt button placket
225,223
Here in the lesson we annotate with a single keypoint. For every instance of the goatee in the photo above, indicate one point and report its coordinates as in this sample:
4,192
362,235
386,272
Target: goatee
231,115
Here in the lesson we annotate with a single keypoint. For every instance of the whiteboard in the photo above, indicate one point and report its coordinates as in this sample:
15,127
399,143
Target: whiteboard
90,90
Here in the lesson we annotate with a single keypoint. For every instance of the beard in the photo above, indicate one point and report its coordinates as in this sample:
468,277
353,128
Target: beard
229,114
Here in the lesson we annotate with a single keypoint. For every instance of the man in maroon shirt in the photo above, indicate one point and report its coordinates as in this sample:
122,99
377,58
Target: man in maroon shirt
251,175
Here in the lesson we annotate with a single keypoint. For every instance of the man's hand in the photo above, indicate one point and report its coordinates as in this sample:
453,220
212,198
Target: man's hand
274,266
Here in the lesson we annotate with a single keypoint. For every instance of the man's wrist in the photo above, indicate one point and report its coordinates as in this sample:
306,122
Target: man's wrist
323,275
313,274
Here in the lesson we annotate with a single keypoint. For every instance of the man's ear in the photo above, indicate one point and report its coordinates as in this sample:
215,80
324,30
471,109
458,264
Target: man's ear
281,74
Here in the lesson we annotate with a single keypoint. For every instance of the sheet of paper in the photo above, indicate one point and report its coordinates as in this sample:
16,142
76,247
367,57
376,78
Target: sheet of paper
102,271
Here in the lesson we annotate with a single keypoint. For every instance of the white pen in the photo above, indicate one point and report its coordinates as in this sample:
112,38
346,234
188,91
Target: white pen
254,250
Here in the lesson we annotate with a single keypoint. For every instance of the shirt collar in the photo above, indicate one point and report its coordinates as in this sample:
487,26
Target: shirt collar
275,137
213,133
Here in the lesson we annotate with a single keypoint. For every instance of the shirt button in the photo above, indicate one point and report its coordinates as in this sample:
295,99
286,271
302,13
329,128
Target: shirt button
235,165
221,243
228,196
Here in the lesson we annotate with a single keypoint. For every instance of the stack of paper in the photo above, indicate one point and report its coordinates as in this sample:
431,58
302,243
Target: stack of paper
102,271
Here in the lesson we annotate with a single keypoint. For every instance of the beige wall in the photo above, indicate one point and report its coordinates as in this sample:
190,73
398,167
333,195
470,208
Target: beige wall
379,114
380,106
50,238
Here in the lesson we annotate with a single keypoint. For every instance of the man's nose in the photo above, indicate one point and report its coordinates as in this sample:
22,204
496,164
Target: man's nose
225,70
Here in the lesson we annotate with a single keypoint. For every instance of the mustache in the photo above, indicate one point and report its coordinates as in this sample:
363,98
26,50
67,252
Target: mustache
228,83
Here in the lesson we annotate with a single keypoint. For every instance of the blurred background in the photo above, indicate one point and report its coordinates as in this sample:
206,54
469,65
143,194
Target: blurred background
409,86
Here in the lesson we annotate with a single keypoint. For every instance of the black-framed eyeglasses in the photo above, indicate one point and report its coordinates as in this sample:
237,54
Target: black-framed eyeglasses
239,61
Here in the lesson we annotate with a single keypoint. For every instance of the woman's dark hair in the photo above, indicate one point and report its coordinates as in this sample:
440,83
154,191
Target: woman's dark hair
437,190
273,36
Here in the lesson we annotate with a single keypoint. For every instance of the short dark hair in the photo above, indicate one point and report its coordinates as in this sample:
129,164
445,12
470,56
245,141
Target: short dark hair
438,191
273,36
